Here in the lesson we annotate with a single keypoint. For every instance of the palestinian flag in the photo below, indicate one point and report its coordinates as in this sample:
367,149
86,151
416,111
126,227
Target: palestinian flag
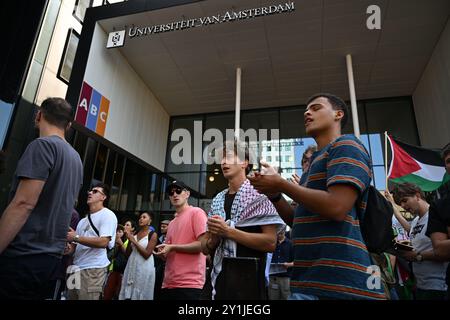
423,167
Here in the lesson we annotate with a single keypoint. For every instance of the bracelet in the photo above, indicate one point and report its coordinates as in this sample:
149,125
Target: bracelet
276,198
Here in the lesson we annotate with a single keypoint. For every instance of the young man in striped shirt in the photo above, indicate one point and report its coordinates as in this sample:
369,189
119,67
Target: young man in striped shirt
331,260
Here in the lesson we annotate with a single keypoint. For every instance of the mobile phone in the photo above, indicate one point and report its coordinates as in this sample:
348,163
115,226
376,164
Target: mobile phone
403,246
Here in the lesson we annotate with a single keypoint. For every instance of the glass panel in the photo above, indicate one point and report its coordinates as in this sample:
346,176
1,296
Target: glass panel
80,9
80,144
253,122
376,148
100,162
292,159
68,56
379,177
116,181
129,187
32,83
183,152
110,167
396,116
6,111
292,124
365,140
156,191
348,129
47,31
212,180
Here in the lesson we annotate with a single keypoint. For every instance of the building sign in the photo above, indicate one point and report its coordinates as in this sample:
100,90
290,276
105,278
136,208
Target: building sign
229,16
92,110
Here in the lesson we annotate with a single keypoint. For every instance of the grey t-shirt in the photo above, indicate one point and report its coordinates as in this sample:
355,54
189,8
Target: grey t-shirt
53,160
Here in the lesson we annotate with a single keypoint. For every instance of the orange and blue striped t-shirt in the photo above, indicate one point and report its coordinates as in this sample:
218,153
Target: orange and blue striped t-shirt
330,258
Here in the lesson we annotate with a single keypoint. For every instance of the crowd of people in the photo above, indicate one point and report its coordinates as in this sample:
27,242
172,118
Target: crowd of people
241,248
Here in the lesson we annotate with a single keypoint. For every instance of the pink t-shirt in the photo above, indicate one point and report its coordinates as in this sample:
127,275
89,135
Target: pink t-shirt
185,270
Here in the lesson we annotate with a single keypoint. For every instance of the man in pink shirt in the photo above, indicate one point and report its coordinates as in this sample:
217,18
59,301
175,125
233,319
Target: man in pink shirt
184,275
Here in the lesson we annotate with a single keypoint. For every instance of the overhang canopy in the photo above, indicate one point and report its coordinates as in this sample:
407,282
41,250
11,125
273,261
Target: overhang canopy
285,57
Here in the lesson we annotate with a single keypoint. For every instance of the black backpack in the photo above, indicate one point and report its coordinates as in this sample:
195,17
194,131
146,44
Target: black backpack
376,226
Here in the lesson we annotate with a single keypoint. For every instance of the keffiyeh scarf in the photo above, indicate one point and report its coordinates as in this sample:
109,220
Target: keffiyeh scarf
249,208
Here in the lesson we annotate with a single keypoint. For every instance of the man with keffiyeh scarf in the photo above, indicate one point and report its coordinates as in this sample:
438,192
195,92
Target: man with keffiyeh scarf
241,223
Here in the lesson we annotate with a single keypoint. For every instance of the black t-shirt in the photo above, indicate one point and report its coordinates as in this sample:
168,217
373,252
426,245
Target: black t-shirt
229,198
439,221
439,217
242,251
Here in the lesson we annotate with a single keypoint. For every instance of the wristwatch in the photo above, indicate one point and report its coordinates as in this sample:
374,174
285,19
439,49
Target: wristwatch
76,238
419,257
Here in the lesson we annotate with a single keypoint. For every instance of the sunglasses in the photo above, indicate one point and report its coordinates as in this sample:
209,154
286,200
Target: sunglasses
94,191
178,191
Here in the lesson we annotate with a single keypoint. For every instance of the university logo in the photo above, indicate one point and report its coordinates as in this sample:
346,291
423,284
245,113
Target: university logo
116,39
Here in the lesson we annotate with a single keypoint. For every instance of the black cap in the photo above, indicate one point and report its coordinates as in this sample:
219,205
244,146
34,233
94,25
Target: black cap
176,183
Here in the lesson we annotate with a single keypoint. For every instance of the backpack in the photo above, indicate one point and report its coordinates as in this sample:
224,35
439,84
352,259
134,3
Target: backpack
376,225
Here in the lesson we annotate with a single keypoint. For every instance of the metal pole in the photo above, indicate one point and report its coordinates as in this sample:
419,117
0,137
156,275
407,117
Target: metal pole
351,84
237,116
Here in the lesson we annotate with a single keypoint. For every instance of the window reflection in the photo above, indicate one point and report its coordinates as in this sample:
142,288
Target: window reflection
286,151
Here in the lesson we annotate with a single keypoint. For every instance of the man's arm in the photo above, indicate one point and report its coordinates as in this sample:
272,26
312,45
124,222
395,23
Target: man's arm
266,241
429,255
92,242
194,247
208,242
18,211
333,204
441,245
95,242
285,211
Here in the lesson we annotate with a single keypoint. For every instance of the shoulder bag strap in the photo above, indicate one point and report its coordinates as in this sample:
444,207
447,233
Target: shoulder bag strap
92,225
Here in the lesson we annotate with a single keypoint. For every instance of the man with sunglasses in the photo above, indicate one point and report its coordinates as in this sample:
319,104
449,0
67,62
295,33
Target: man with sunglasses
33,227
95,233
184,274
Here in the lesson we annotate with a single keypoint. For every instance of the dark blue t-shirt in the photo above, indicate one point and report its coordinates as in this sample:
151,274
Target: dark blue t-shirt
284,252
331,258
53,160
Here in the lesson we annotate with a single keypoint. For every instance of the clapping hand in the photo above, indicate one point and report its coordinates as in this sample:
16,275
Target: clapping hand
267,181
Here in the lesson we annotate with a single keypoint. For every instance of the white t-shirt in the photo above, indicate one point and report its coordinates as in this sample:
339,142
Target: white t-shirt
400,232
430,275
106,223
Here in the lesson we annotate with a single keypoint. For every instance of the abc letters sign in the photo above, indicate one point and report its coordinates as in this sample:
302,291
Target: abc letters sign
92,110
